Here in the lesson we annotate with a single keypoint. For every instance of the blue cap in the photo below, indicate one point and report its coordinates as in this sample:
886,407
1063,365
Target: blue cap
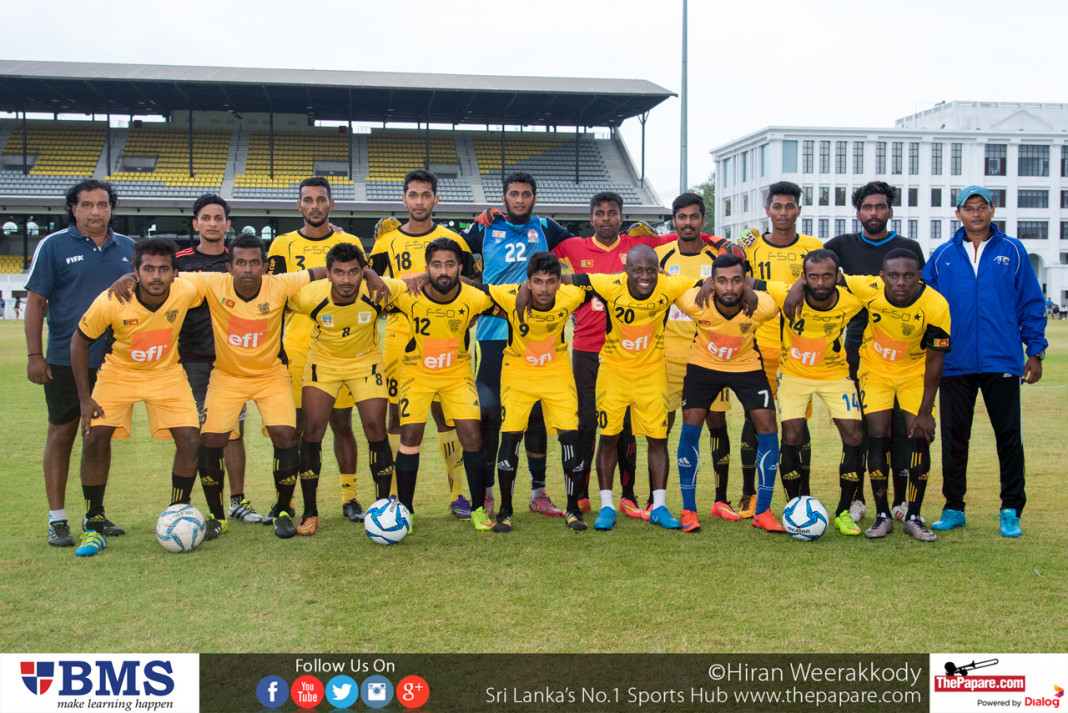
970,191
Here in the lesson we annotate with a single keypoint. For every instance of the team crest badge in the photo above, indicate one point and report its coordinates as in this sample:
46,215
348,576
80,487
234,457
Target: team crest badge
828,329
172,315
706,271
328,320
744,327
795,271
532,236
498,234
264,307
364,318
37,675
907,329
454,324
673,270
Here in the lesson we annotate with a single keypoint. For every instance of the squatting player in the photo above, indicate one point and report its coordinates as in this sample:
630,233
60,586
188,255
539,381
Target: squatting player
437,363
304,249
142,366
344,352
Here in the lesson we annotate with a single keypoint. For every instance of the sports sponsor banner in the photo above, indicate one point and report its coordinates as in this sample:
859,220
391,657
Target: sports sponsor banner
962,683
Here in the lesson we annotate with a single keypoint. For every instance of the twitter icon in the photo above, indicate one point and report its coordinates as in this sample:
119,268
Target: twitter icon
342,691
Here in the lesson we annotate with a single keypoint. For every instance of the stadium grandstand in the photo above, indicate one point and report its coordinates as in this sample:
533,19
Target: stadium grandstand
164,135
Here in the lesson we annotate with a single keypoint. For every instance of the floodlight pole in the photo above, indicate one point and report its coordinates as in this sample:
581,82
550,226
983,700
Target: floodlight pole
683,178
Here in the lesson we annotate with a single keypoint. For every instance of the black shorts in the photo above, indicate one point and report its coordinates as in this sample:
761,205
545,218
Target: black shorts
701,387
61,395
585,365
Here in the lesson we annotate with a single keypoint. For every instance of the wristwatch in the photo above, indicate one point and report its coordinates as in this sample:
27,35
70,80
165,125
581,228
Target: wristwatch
1041,355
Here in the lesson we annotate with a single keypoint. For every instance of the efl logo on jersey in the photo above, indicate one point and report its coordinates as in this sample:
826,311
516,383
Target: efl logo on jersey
246,333
636,338
596,305
541,353
724,346
889,349
37,676
440,353
807,351
150,346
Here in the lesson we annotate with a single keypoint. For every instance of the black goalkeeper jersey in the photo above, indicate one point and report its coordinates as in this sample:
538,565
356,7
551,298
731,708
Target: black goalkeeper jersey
196,343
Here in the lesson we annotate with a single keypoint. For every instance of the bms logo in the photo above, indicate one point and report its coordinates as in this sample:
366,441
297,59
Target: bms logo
99,678
37,675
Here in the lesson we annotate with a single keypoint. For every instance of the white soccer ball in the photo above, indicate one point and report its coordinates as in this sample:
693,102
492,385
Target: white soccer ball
180,528
387,521
805,518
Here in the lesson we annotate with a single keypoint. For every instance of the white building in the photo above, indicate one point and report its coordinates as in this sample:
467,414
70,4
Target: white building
1017,150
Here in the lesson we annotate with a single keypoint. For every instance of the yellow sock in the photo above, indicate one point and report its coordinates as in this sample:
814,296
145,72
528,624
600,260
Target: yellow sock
348,487
394,445
453,456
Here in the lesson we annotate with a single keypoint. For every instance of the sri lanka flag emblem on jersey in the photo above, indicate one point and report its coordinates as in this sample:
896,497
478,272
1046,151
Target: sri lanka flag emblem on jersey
226,302
37,675
587,263
128,323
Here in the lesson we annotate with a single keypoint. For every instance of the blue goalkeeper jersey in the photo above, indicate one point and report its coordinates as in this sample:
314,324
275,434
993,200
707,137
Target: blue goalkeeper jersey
505,249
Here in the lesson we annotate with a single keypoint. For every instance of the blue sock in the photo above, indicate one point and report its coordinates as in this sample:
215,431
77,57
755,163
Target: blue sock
537,472
689,457
767,463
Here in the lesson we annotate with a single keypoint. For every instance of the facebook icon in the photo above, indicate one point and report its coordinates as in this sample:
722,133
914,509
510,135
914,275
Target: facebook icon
273,691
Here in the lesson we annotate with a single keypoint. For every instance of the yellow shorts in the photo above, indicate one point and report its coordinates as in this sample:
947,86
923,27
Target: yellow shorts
676,372
393,354
645,394
770,357
522,387
794,397
296,379
166,392
362,384
228,393
877,392
457,393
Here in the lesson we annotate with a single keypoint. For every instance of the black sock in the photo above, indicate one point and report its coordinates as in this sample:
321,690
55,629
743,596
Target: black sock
507,464
625,456
805,483
918,470
211,479
94,507
286,464
381,461
537,472
720,445
475,467
571,459
182,489
790,469
311,464
407,468
749,449
236,498
878,471
848,477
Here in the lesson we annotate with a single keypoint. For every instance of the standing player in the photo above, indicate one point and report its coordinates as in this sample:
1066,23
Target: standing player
343,352
905,342
536,371
305,249
400,252
722,354
506,241
70,268
18,308
196,344
862,254
437,363
776,255
691,257
812,363
142,366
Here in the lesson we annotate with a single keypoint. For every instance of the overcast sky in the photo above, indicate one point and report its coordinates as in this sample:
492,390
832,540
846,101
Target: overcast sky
752,64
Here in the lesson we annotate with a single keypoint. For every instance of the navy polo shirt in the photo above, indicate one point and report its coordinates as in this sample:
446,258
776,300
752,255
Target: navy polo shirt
69,270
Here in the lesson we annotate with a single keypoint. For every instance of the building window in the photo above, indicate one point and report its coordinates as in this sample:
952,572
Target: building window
895,202
806,226
914,197
745,204
1032,160
840,157
839,226
1064,230
914,158
1064,161
840,195
806,196
895,225
727,207
1064,256
999,224
997,195
824,227
956,159
953,196
1064,199
914,229
936,230
858,157
825,157
825,195
1032,229
995,159
954,226
763,160
745,166
726,172
895,158
936,197
789,157
806,156
880,157
1032,199
936,159
856,225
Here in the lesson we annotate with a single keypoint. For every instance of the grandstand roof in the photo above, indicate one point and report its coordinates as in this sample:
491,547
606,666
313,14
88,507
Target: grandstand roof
94,88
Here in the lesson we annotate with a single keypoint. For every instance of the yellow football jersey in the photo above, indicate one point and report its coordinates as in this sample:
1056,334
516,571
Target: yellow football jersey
726,343
292,252
634,341
403,255
896,339
248,334
812,345
678,335
144,337
780,263
440,341
539,341
345,336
